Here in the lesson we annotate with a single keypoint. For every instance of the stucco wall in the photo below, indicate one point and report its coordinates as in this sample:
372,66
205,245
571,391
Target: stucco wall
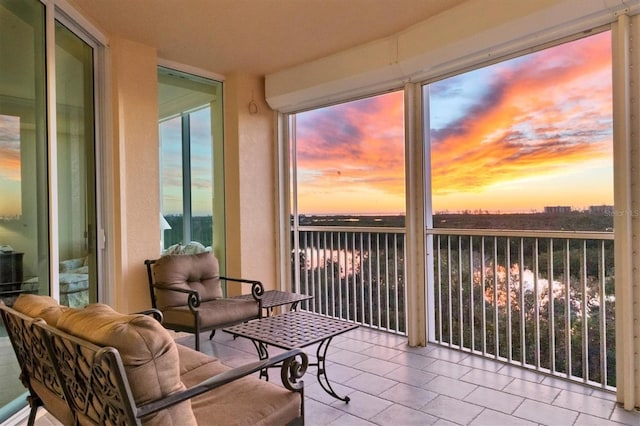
249,171
133,211
134,208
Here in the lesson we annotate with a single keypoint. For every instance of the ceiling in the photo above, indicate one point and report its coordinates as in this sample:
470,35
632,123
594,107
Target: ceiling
255,36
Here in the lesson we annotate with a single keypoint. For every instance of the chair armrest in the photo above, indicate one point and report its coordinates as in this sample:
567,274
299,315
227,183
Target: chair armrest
257,289
291,371
155,313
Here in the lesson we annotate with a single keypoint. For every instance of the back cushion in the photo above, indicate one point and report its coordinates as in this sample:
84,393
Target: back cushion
36,306
199,272
148,352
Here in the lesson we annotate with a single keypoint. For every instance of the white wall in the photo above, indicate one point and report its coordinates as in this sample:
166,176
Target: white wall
472,33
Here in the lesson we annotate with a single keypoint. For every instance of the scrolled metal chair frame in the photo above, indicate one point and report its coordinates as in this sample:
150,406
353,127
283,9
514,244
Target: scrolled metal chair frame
193,302
92,382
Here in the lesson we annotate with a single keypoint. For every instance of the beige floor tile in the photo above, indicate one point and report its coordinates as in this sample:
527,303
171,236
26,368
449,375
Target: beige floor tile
585,404
411,376
450,387
546,414
495,418
531,390
408,395
487,379
401,415
495,400
452,409
370,383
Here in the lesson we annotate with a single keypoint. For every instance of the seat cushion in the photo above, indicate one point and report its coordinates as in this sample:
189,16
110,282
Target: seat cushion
269,403
199,272
213,313
191,359
148,353
37,306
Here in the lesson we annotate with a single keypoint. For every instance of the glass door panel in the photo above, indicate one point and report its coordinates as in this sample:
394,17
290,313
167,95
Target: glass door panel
24,236
191,163
76,169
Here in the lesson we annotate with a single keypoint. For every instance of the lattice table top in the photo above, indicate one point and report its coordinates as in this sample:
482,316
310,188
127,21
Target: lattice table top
272,298
295,329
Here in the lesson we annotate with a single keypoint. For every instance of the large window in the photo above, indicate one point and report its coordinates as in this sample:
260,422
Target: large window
520,151
526,143
516,152
349,209
350,161
191,164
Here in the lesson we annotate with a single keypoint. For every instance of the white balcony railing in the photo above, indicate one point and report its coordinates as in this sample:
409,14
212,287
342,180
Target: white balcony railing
542,300
538,299
355,274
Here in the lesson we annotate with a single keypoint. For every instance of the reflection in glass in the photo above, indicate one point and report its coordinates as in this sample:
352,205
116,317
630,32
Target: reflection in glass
76,169
191,161
10,166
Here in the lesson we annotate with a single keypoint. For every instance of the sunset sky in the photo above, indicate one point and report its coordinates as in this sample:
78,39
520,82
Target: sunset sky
517,136
530,132
201,167
10,174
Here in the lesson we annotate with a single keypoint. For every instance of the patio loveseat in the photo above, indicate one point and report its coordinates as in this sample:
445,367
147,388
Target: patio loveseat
98,366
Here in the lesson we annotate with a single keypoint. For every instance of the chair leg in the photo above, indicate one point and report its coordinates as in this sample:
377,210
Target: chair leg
34,404
213,332
197,341
32,416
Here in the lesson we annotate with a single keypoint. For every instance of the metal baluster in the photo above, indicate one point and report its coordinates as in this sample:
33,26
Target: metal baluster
523,351
552,323
507,265
536,301
472,300
585,314
567,302
438,286
484,299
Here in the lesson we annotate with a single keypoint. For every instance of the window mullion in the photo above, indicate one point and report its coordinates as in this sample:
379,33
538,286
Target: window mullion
186,178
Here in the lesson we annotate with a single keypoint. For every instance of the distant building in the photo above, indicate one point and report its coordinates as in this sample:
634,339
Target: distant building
602,210
557,209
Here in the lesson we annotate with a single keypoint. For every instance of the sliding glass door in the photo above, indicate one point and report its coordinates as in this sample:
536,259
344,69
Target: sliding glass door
48,171
75,151
24,224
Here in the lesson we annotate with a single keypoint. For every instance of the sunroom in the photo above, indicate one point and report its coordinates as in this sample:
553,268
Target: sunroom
484,307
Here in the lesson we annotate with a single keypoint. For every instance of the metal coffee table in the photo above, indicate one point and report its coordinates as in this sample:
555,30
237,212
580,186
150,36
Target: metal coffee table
295,329
273,298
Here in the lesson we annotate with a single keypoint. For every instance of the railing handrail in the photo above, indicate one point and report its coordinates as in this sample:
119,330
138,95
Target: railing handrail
581,235
370,229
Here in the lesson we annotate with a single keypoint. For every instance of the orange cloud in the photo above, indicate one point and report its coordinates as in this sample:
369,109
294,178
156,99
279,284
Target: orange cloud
543,114
350,157
10,148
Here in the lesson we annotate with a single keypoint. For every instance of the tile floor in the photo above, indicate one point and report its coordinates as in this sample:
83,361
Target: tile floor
390,383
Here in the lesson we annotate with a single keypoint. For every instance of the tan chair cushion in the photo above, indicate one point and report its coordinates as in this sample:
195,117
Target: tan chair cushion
214,313
260,402
148,352
199,272
191,360
37,306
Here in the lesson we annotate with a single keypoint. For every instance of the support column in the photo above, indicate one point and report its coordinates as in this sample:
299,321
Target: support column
627,206
415,218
